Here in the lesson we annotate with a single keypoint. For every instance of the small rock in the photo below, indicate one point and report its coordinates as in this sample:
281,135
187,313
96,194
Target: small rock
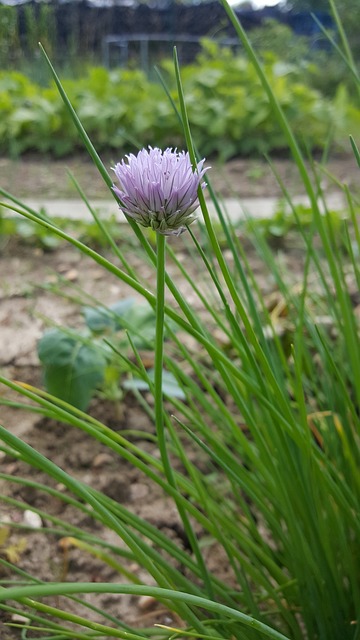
221,337
149,399
138,491
17,617
147,359
71,275
101,460
147,603
11,468
51,279
32,519
5,519
228,255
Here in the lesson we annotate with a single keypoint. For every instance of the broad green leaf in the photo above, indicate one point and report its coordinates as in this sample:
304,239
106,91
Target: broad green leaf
100,319
72,369
170,385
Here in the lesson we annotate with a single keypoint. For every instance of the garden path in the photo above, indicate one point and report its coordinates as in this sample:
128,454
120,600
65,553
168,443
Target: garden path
235,208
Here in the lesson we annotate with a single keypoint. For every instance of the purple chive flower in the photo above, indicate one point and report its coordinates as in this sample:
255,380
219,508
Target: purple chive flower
159,189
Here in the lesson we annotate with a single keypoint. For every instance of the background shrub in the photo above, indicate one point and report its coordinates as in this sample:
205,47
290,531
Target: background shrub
229,111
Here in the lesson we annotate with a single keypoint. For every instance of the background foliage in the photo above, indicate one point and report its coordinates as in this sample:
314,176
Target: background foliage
228,108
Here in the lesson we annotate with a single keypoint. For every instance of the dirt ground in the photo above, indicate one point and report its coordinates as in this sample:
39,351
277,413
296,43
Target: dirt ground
24,305
31,177
25,309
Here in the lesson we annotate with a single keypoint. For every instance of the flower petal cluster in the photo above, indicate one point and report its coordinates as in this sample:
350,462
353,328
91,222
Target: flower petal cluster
158,189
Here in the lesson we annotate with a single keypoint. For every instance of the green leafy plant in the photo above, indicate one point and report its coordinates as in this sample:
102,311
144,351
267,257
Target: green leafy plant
230,112
72,369
286,219
77,364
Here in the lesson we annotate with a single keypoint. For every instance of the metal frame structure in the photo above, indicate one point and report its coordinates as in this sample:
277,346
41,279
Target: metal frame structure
144,39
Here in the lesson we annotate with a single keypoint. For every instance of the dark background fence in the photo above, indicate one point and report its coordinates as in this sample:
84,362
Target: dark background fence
79,29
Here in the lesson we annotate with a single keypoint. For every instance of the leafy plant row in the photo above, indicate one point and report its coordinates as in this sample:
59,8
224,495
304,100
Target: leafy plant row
227,106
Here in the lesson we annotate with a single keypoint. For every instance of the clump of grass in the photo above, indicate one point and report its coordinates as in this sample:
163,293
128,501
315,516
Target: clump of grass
277,419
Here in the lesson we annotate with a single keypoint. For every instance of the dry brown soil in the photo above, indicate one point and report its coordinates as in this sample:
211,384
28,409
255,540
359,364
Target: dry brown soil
31,177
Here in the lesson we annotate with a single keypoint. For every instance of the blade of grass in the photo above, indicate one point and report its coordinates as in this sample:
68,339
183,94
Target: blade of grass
156,592
293,146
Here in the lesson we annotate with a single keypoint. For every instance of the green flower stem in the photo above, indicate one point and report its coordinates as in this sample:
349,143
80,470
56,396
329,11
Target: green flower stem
159,356
159,405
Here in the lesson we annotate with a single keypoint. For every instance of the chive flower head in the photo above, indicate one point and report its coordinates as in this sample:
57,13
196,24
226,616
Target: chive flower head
158,189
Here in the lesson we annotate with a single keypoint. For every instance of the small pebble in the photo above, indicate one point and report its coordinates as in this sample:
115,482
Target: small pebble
115,289
32,519
17,617
5,519
101,460
146,603
11,468
51,279
72,275
138,491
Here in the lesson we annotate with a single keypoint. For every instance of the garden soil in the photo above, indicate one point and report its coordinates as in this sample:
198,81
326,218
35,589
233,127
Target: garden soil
30,177
31,284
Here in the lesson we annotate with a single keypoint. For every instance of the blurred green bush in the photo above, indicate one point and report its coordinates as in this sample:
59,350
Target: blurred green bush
122,109
277,38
